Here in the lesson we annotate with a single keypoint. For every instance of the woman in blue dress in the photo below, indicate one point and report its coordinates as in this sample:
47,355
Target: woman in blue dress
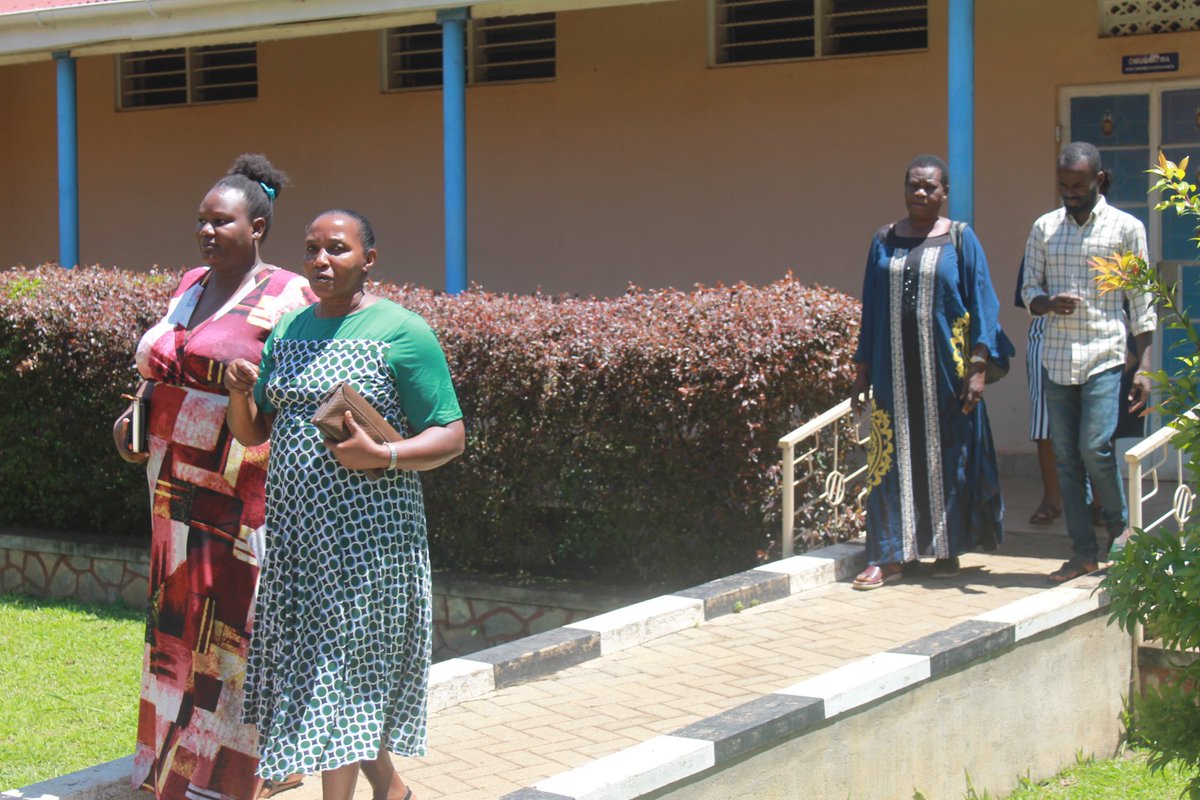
929,327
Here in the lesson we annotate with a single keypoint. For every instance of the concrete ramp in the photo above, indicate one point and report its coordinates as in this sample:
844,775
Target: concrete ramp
781,682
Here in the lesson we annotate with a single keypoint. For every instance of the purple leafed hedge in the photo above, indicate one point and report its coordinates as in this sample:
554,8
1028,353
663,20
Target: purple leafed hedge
630,439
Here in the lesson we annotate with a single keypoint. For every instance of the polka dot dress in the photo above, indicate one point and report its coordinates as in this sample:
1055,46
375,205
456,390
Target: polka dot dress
339,661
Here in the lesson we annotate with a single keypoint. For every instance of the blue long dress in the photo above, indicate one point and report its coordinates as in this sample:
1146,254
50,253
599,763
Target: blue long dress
932,476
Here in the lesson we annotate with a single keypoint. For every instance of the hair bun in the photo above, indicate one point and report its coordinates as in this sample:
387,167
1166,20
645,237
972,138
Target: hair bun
258,168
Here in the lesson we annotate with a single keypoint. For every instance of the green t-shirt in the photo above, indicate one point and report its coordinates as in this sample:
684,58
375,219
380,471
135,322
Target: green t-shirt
412,353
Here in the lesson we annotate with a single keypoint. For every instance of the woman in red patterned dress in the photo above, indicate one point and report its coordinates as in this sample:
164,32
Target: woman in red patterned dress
206,494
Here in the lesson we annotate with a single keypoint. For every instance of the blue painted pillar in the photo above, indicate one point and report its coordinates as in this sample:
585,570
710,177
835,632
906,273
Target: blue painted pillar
960,84
454,135
68,162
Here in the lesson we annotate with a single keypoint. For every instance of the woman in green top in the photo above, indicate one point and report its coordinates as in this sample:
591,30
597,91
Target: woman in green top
339,659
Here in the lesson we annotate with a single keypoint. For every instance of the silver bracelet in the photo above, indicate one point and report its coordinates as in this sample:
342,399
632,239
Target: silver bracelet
392,450
978,359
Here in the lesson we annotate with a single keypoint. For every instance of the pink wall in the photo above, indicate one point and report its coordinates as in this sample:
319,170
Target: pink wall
638,163
29,200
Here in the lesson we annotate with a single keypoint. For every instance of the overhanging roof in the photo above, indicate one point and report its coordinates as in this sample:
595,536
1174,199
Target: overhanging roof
11,6
33,31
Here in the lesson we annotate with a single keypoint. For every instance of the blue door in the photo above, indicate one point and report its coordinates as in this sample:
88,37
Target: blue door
1181,137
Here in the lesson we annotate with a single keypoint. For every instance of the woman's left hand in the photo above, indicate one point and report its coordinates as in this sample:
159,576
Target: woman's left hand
972,391
358,450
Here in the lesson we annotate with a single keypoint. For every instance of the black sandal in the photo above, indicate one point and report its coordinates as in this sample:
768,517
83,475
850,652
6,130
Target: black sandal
946,568
271,788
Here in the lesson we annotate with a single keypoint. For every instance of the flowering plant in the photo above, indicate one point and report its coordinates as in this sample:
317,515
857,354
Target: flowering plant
1156,579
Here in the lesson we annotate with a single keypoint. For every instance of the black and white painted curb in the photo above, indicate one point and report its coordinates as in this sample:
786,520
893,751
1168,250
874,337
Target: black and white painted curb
665,760
459,679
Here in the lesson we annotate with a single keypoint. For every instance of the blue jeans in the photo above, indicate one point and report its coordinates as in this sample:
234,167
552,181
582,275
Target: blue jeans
1083,419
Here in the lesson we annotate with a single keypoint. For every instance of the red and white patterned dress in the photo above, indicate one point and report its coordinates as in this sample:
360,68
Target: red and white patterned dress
206,494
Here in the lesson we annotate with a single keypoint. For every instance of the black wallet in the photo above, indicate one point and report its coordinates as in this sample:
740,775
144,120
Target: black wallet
139,418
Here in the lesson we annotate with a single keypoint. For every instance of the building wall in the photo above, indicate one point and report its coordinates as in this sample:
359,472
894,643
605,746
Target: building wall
29,202
637,164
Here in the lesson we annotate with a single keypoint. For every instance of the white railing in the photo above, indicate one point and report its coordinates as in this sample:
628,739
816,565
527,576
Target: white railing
1144,460
831,435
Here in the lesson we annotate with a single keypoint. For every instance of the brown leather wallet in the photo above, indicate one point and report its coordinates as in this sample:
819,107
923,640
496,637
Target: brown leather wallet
330,418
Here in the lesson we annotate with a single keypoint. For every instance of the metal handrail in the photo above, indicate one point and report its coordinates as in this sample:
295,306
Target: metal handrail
1145,461
1142,468
836,479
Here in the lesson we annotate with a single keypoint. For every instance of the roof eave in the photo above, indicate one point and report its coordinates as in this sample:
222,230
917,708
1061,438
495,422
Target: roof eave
125,25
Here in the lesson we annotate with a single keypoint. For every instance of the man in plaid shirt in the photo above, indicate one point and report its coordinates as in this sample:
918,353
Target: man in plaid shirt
1084,350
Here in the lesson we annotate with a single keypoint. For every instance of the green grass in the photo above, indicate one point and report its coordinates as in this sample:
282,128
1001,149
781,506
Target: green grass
1125,777
70,675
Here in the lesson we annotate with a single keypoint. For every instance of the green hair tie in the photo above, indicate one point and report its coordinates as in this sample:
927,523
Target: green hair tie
270,192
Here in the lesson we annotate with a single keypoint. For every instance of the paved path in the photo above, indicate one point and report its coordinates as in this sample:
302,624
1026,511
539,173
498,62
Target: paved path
514,737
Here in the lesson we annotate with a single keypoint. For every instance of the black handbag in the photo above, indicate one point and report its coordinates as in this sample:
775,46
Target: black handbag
138,413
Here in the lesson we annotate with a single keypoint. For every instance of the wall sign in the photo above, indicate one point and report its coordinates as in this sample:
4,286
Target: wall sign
1149,62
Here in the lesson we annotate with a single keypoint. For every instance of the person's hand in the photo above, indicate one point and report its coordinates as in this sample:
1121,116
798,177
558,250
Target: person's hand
1065,303
1139,394
859,392
972,390
120,431
240,376
358,450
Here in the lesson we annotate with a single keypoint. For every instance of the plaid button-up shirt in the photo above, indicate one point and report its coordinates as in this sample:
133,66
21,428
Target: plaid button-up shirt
1057,256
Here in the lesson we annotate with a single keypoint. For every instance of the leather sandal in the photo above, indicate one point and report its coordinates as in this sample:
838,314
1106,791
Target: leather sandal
875,576
1045,514
1072,569
270,788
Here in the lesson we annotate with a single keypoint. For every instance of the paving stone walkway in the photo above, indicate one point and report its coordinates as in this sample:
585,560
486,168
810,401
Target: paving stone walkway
514,737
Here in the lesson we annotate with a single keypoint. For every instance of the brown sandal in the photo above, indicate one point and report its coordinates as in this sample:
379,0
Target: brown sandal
875,576
1072,569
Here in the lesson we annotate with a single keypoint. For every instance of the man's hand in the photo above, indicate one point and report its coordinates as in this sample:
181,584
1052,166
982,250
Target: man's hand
1139,393
1063,303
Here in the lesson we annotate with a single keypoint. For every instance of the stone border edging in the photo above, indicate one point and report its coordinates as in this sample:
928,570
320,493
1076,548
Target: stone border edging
664,760
459,679
94,783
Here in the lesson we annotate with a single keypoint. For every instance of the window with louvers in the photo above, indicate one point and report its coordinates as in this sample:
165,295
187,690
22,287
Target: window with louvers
414,56
778,30
1137,17
185,76
499,49
514,48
